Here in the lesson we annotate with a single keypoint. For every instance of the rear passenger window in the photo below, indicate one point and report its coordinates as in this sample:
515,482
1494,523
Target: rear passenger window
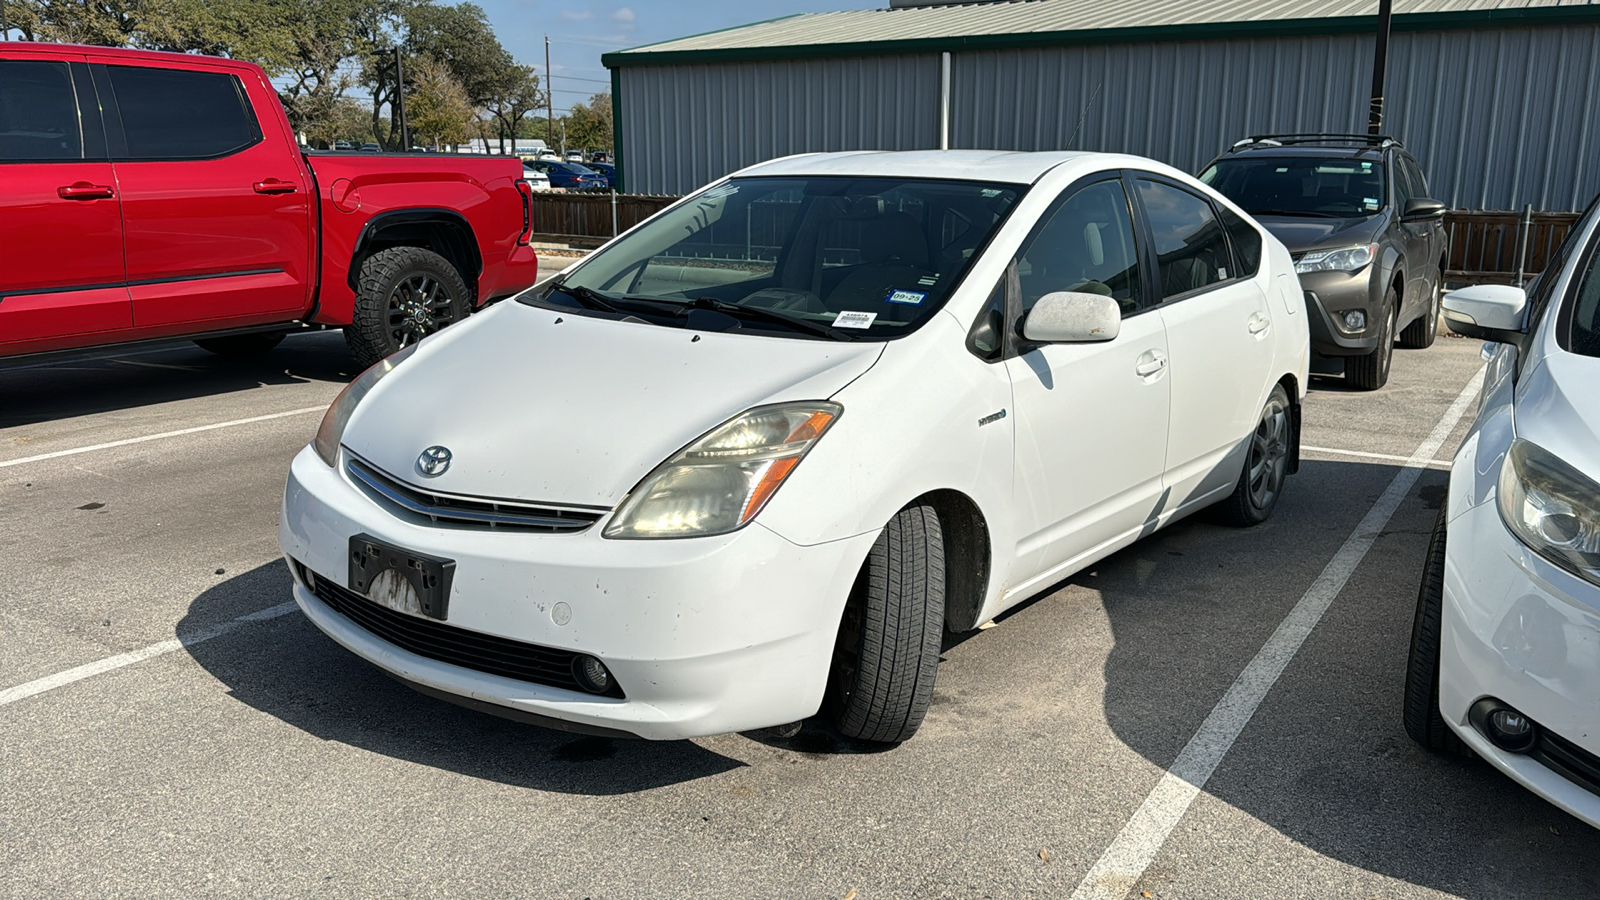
38,114
171,114
1246,242
1190,246
1086,246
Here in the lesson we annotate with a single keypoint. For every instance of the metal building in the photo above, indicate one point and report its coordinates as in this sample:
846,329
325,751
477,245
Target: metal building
1497,98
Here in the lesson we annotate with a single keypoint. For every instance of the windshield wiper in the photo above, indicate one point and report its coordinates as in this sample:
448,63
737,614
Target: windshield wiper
767,315
587,296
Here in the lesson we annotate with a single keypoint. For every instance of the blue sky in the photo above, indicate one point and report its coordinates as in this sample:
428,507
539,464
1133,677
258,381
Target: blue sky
580,30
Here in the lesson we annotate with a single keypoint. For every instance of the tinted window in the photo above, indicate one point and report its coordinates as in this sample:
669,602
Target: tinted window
1299,185
1584,336
1404,188
1086,246
1419,185
1190,246
38,115
168,114
1246,242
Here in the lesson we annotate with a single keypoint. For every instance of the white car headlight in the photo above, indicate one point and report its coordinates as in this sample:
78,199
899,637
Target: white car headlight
1553,508
721,481
1344,259
331,431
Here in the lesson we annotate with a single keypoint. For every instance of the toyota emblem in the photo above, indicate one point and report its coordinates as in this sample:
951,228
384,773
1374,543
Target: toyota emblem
434,461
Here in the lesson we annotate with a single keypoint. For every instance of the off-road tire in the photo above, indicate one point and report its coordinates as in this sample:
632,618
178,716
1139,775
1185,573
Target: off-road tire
1419,334
1371,372
1423,720
887,653
1266,466
373,333
236,345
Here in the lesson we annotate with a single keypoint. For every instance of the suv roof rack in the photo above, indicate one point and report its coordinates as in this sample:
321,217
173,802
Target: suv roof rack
1374,141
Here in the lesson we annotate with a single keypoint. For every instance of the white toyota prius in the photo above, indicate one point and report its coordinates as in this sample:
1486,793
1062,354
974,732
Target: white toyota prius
1505,650
750,460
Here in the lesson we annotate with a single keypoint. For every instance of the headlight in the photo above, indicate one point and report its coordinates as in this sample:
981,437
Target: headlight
331,431
718,483
1344,259
1553,508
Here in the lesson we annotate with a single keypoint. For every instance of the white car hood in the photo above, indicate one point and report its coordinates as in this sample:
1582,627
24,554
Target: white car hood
1558,408
576,413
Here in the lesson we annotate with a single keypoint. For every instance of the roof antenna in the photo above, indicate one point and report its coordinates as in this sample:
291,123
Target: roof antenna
1085,114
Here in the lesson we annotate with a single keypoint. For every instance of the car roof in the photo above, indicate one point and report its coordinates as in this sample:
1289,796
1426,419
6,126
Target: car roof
968,165
177,59
1302,150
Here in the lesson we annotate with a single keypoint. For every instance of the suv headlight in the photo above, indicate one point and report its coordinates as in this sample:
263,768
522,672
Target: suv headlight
1553,508
1343,259
331,431
721,481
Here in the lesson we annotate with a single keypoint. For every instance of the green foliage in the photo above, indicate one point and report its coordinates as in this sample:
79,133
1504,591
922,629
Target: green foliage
588,125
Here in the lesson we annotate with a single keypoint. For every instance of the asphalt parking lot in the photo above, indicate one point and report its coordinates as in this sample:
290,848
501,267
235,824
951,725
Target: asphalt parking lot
171,726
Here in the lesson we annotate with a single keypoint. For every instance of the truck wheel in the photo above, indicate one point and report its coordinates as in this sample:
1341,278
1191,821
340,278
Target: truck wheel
1371,372
241,344
1419,335
887,653
404,294
1423,720
1266,467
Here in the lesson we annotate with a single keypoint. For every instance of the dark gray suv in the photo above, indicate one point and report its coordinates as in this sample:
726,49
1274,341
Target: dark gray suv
1367,241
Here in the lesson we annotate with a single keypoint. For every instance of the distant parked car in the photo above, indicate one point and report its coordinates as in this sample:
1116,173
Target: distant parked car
1505,646
1368,243
343,145
370,147
568,175
607,171
535,178
574,156
600,157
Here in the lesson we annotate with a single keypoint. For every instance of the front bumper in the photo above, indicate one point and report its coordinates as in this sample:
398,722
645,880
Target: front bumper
703,635
1527,633
1329,294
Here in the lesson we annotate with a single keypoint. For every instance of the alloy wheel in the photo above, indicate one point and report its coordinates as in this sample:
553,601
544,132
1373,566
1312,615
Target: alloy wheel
419,305
1269,454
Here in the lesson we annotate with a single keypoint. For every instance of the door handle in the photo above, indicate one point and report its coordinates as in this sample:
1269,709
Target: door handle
1258,323
274,186
1149,364
83,190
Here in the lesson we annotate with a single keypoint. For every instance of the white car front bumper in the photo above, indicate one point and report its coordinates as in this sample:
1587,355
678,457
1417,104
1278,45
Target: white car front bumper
703,635
1520,630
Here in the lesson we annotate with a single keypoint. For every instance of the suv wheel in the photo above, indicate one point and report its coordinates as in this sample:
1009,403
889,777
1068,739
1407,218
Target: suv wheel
1419,334
1371,372
404,295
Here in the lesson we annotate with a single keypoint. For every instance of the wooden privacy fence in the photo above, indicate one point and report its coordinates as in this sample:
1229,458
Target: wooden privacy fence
1485,246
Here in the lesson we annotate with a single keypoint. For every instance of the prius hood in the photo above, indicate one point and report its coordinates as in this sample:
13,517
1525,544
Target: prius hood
555,407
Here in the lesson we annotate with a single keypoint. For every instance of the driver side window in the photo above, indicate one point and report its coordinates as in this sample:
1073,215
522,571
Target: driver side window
1085,246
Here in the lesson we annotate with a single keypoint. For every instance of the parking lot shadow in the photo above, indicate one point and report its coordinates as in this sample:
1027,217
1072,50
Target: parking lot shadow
291,671
96,381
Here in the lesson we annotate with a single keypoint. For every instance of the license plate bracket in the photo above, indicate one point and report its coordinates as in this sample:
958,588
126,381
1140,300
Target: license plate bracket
428,576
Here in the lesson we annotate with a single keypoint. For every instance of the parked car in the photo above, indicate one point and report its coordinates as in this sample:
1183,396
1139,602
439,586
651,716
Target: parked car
370,147
568,175
1367,239
830,407
343,145
600,157
1505,648
607,171
574,156
535,177
178,205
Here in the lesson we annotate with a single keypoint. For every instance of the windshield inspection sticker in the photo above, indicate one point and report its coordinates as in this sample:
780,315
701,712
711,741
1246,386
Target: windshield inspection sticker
912,298
1371,202
854,320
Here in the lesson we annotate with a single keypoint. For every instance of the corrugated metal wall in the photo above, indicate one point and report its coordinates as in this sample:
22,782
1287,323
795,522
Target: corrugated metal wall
1499,118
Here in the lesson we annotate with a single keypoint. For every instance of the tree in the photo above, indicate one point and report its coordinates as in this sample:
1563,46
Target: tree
437,108
588,125
516,97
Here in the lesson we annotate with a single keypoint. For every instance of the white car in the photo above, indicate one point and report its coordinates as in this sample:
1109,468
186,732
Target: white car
1505,650
536,178
752,458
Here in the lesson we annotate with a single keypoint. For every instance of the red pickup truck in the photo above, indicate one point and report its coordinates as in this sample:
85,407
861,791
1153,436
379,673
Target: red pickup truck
152,196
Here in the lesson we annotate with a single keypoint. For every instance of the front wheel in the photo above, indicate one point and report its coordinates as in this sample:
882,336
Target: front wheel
1371,372
404,295
1266,466
1423,719
887,653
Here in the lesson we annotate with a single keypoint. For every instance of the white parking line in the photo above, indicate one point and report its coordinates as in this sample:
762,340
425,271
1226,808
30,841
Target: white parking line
1432,463
89,670
1124,862
163,435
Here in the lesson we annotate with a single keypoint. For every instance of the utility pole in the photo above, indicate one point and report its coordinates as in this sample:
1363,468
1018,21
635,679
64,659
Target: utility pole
400,101
5,22
549,100
1380,68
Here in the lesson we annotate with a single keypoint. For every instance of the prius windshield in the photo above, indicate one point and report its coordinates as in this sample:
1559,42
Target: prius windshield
1300,185
841,258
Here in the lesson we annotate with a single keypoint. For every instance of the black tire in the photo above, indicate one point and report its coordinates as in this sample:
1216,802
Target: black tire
404,294
241,344
1419,334
1371,372
1266,466
1423,720
887,653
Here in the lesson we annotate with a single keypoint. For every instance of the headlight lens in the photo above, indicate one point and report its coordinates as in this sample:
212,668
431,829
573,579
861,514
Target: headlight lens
1553,508
331,431
721,481
1344,259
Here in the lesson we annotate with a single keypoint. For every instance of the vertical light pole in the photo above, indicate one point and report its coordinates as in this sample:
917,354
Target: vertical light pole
5,22
1380,68
400,102
549,101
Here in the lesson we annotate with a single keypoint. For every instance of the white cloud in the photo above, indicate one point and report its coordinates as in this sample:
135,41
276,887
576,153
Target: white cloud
624,15
575,15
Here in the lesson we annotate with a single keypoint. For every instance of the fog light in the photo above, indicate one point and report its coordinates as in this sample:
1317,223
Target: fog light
1355,319
1506,728
592,674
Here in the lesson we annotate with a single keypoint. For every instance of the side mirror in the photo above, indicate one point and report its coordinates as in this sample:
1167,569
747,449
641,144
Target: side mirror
1421,209
1488,312
1070,317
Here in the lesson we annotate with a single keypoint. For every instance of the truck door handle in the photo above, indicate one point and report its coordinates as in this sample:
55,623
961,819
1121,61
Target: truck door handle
1150,363
83,190
274,186
1258,323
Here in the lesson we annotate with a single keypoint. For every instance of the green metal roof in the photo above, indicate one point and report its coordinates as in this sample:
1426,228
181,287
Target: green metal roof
1035,23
